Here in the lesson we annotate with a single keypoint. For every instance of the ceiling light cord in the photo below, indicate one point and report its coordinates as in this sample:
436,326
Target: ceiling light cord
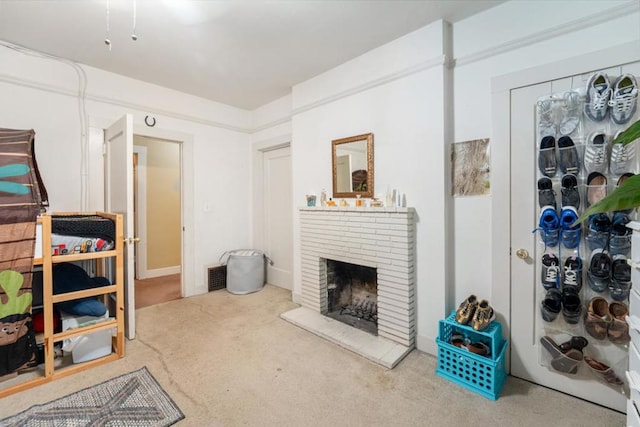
107,40
134,37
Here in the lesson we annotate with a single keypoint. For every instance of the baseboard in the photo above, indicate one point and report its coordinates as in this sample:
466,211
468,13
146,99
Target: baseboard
427,345
158,272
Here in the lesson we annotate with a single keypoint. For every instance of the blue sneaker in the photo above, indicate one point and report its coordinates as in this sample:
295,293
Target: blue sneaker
620,239
570,234
598,231
549,226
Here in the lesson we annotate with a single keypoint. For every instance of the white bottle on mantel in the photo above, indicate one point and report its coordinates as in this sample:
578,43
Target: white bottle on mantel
389,202
323,198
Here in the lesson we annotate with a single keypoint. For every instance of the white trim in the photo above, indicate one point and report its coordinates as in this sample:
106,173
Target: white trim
434,62
141,223
550,33
128,105
159,272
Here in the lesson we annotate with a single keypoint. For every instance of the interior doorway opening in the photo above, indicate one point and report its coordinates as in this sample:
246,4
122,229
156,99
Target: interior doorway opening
158,222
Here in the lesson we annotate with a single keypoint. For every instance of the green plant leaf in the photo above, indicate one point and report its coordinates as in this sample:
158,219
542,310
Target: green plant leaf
629,135
626,196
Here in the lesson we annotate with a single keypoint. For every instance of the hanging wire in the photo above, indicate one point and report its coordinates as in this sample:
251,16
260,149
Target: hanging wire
107,41
134,37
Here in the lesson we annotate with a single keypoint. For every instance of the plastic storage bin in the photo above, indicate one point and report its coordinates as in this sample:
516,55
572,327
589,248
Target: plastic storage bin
90,346
484,375
245,270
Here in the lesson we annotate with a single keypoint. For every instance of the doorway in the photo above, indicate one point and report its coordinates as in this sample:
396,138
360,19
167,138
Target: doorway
157,212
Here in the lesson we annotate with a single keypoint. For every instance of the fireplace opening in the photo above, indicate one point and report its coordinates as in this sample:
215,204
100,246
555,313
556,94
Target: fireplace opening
352,295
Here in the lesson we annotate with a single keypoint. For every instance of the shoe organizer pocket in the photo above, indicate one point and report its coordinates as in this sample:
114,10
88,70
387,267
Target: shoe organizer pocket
596,240
619,291
570,159
594,193
620,245
547,162
570,238
550,238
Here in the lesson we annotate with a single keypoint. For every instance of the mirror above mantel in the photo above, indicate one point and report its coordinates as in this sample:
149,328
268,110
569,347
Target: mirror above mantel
352,160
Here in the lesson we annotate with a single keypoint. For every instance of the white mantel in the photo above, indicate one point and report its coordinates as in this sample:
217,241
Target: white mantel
381,238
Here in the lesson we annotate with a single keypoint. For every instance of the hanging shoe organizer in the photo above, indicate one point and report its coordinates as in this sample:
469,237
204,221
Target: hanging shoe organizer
583,284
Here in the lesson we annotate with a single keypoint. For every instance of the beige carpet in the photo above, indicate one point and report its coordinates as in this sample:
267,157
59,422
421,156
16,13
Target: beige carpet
229,360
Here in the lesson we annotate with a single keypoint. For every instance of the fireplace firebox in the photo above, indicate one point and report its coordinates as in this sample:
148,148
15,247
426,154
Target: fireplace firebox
352,296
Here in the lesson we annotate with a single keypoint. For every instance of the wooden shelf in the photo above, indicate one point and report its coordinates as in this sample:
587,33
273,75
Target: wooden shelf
50,372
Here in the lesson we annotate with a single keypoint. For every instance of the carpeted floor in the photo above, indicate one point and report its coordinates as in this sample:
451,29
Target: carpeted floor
230,360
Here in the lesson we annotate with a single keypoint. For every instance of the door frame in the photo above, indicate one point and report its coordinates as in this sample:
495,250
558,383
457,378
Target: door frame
258,150
501,88
140,200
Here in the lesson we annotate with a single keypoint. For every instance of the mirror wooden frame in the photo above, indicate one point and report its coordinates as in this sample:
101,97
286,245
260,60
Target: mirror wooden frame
368,137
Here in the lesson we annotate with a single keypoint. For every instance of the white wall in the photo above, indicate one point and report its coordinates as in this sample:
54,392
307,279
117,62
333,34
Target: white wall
41,94
398,92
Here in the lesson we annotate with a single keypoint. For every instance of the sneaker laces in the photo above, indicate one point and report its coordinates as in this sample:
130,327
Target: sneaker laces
552,274
599,154
600,100
570,276
619,153
623,102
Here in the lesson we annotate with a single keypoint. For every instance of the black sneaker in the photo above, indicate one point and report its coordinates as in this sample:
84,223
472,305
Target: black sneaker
551,305
550,271
546,195
547,156
571,305
620,278
599,274
569,160
570,193
572,272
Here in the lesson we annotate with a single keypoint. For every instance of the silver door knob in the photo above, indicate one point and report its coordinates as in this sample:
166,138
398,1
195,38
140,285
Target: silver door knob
522,253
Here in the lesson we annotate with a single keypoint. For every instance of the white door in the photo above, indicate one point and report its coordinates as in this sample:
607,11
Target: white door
529,359
278,209
119,199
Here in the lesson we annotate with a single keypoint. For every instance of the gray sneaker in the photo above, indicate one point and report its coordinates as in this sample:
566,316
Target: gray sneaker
622,157
570,193
595,155
597,97
624,99
546,195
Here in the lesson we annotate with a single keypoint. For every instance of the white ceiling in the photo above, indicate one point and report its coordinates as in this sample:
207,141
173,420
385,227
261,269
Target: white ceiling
241,53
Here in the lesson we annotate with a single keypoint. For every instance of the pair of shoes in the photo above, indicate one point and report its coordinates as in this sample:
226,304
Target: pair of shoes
465,343
596,188
559,115
602,371
554,228
566,300
622,157
569,159
621,98
479,314
565,358
604,320
599,273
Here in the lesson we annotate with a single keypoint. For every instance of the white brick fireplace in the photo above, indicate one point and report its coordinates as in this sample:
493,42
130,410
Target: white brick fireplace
380,238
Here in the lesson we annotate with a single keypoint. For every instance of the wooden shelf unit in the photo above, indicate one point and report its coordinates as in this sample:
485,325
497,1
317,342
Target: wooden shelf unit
116,319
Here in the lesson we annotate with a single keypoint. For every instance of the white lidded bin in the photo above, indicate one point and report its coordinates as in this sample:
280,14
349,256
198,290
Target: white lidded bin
245,270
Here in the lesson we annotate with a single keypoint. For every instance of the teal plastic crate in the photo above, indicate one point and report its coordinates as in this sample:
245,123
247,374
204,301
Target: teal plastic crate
491,336
484,375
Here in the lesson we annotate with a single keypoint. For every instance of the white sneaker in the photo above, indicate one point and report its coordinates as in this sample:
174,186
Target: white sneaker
597,97
622,157
624,99
595,154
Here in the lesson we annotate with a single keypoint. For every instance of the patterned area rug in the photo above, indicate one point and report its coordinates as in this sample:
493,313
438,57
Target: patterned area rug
133,399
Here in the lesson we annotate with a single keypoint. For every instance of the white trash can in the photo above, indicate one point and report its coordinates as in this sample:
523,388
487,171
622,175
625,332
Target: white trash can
245,270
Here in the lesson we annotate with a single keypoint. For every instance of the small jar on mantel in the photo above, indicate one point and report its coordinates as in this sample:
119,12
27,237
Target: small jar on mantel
358,201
